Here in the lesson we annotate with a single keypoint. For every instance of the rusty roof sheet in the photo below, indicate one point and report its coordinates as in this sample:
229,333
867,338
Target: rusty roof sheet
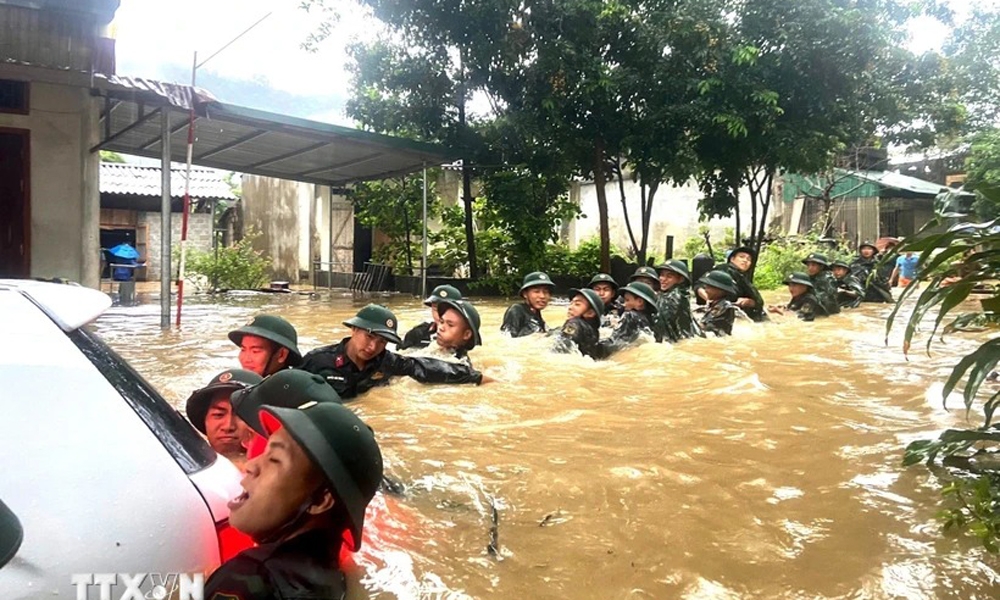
126,179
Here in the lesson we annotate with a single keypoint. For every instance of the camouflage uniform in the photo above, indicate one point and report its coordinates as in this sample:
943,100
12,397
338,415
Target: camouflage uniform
850,292
825,291
633,322
875,280
674,314
806,305
719,317
745,289
578,333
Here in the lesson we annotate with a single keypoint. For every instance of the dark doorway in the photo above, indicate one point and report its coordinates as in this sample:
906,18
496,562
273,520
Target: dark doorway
362,246
15,205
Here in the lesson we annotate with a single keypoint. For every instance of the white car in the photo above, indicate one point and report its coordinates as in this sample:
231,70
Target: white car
104,477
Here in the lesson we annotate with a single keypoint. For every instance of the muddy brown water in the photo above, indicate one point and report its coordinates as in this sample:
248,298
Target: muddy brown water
766,465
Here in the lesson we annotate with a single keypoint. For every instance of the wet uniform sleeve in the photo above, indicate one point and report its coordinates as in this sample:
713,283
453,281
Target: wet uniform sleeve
430,370
575,333
416,337
807,312
240,578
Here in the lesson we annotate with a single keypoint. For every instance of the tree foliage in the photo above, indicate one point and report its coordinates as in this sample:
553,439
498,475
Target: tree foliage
394,207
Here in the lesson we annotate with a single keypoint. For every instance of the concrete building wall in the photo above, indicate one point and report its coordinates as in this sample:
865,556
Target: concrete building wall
296,221
675,212
64,202
199,238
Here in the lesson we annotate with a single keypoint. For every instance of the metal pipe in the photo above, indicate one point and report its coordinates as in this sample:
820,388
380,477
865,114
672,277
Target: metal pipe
165,220
186,205
423,261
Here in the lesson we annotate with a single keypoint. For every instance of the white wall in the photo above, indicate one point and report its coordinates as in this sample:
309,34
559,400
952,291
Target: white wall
675,212
64,203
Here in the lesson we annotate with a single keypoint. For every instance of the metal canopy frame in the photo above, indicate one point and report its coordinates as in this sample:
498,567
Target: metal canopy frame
247,140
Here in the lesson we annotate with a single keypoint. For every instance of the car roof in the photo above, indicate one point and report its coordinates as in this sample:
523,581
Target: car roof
69,306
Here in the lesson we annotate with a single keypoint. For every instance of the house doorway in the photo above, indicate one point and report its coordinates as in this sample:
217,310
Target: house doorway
15,204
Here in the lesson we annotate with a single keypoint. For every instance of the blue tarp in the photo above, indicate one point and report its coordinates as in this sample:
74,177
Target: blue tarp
124,251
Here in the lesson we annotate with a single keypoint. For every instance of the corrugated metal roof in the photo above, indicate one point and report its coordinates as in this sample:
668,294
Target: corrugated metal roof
897,181
126,179
863,184
245,140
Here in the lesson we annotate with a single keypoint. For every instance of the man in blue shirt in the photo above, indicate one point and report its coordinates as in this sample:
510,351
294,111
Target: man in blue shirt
906,269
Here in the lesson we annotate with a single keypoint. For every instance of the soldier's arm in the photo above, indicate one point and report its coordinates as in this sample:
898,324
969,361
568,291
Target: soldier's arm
414,336
430,370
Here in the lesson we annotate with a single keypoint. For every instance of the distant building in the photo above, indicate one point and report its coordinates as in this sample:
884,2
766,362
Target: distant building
866,205
49,209
130,210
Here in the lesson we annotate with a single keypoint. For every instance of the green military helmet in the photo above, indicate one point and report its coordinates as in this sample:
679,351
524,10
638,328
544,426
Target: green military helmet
602,278
376,319
593,299
341,445
645,272
443,292
840,263
232,380
747,249
676,266
869,244
272,328
819,259
719,279
800,278
536,278
643,291
468,312
288,388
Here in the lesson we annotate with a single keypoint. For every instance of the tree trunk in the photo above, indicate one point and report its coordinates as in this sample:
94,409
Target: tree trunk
754,195
628,221
647,214
470,237
765,205
406,226
602,206
736,211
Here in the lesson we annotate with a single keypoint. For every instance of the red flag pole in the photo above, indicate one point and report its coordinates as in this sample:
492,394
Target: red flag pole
186,207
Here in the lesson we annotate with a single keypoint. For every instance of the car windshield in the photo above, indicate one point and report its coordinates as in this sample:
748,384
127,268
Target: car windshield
188,448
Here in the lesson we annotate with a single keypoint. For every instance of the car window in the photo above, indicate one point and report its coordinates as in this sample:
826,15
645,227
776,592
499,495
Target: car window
11,534
188,448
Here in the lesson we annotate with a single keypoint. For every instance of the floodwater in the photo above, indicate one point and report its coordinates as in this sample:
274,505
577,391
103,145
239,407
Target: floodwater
766,465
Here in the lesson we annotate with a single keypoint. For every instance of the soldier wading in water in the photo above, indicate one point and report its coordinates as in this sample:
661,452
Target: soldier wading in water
304,497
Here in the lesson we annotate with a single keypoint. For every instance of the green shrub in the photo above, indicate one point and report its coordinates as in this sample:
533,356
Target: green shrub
237,267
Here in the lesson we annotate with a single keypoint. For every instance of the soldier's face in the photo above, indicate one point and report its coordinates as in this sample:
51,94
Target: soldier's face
453,331
224,429
579,307
797,289
538,297
840,272
652,283
741,260
813,268
255,353
633,302
669,279
366,345
867,252
277,483
606,291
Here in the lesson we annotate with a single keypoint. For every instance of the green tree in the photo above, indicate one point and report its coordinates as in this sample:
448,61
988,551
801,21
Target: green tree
795,83
395,208
972,52
982,168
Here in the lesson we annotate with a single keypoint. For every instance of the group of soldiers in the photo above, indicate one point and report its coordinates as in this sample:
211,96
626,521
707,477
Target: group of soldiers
311,466
657,300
